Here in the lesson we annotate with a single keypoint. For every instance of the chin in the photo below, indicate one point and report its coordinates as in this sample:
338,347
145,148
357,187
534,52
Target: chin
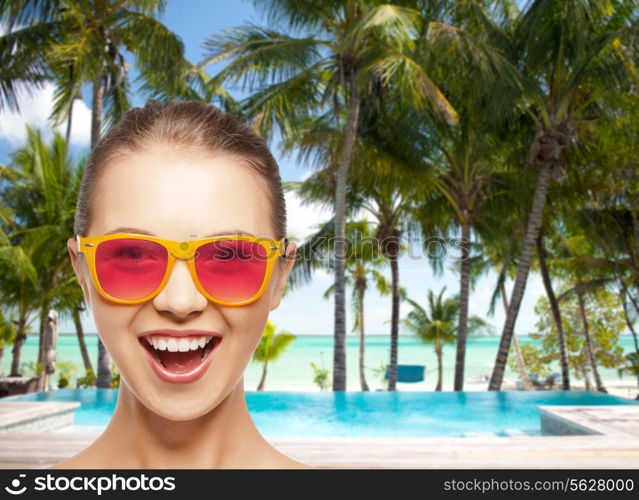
179,406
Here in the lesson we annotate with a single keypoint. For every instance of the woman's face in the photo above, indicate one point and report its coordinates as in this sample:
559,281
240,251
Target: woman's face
181,196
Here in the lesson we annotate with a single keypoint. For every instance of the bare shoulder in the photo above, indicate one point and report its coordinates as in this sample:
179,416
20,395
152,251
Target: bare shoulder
282,461
85,459
69,463
294,464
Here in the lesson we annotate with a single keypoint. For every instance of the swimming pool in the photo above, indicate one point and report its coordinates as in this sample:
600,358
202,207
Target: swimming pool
368,414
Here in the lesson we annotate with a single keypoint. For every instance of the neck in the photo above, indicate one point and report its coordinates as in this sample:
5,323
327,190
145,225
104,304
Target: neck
226,437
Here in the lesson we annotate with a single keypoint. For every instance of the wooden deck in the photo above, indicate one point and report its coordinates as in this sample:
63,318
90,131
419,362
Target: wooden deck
613,442
35,451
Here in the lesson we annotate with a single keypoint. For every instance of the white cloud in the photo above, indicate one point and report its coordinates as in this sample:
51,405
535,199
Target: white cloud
323,276
35,108
302,219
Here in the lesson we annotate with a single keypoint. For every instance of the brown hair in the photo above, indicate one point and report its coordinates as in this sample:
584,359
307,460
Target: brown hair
192,126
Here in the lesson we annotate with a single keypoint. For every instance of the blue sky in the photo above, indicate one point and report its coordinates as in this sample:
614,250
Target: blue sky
303,311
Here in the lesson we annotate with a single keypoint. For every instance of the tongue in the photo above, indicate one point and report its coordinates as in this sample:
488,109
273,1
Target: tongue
180,362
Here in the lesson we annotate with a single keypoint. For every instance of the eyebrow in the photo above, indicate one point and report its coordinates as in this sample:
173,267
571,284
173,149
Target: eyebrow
134,230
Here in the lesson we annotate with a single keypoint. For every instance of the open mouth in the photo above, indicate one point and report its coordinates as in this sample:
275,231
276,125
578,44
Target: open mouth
179,355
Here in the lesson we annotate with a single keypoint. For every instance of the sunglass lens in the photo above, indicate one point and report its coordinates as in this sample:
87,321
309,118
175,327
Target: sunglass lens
231,270
129,268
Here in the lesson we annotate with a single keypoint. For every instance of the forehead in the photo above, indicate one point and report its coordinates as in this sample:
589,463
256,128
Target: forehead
180,195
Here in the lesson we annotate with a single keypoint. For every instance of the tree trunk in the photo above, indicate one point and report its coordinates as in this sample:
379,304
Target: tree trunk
440,369
629,323
341,179
534,222
584,372
392,372
462,328
589,347
97,106
634,215
41,347
70,115
624,295
104,360
362,340
17,350
80,333
70,121
104,366
556,313
50,346
19,341
260,386
521,365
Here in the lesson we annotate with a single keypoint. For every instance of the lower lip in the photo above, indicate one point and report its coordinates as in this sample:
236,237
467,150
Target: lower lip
191,376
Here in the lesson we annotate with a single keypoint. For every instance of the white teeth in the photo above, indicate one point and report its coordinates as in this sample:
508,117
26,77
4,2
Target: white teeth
175,344
172,345
184,345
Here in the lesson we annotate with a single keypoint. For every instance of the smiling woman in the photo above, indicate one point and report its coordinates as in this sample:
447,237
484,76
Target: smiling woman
180,299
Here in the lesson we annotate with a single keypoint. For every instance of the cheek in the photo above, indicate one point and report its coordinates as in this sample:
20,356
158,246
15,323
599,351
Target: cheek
112,322
247,325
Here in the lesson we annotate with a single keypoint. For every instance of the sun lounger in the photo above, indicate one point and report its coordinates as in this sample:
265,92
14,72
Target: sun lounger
408,373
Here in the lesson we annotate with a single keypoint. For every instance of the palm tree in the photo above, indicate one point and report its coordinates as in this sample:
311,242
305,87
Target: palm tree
85,43
436,327
270,348
23,63
362,265
322,73
464,170
42,197
438,324
18,276
500,247
581,267
7,332
569,51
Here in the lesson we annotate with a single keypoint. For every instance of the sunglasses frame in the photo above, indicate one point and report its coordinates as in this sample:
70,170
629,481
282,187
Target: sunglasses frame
183,250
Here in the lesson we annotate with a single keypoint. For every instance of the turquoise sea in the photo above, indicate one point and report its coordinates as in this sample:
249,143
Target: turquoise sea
293,371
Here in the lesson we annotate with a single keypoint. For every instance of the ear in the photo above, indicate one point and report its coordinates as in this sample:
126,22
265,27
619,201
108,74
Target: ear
72,245
291,252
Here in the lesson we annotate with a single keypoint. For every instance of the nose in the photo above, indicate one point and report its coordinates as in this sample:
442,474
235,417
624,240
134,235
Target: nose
180,296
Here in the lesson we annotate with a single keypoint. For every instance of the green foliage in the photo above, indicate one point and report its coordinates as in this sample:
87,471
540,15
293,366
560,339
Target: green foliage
605,321
89,379
438,324
631,366
320,376
536,360
66,370
272,345
31,369
115,376
380,372
7,331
